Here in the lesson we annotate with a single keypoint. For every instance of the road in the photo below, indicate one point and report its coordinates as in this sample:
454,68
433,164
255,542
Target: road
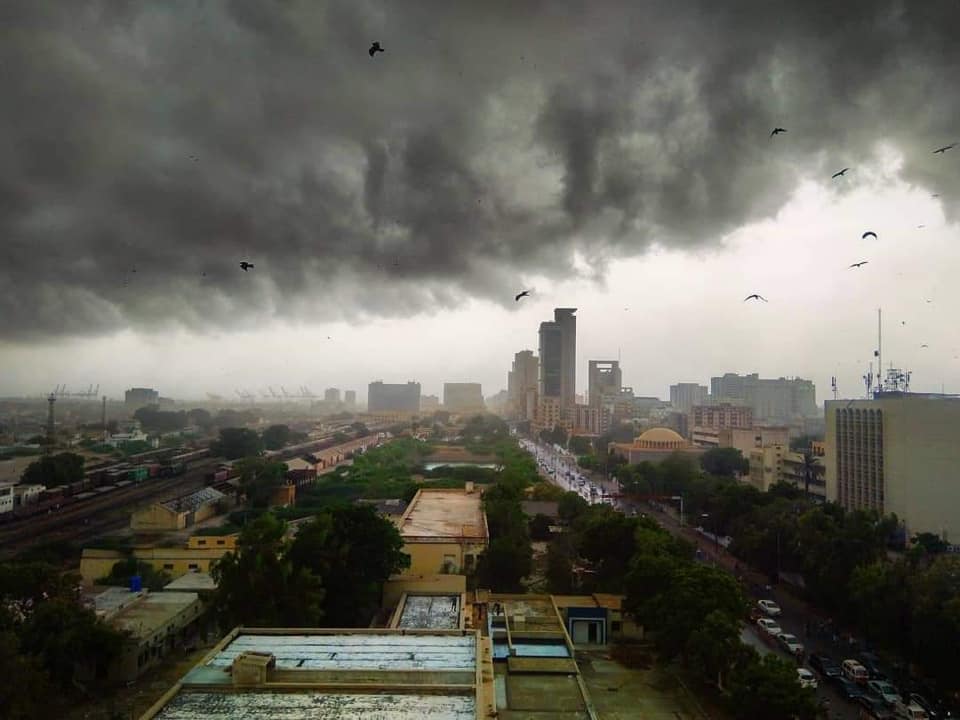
562,470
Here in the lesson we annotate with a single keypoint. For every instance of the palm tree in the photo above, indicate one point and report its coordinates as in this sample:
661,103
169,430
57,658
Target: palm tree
811,470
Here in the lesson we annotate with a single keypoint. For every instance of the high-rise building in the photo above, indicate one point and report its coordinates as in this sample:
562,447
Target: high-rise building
522,383
138,397
429,403
721,416
589,420
393,397
897,453
350,398
772,400
331,395
683,396
604,381
463,397
558,357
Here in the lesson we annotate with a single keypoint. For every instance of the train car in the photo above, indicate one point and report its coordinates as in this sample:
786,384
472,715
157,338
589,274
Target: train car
172,470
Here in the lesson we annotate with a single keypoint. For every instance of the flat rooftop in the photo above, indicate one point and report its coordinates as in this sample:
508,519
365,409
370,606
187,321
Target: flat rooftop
431,612
192,582
438,514
143,614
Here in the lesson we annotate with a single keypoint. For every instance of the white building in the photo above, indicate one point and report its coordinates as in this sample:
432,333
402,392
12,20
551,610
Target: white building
6,498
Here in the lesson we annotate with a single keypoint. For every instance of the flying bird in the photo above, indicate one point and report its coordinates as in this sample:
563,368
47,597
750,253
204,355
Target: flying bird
868,232
943,149
924,346
755,297
839,174
777,131
858,264
935,195
525,293
246,265
375,48
920,227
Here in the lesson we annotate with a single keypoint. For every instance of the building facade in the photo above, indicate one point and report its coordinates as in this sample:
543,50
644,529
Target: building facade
444,531
897,453
605,380
331,395
393,397
720,416
350,399
558,355
138,397
549,415
776,400
460,397
522,382
589,420
683,396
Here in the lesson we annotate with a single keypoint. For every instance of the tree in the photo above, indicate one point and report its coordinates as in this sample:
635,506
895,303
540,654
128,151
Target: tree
768,689
54,470
237,442
153,420
556,436
275,437
606,539
505,563
811,470
200,417
559,573
25,692
935,611
540,527
571,506
803,442
931,544
712,648
259,477
580,445
122,571
880,600
546,491
353,550
724,462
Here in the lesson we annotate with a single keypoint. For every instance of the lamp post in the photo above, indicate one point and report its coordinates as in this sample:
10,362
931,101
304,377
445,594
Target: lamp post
680,498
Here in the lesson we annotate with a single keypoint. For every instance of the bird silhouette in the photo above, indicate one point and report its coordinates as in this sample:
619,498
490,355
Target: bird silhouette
924,346
942,150
929,301
868,232
777,131
246,265
375,48
839,174
920,227
525,293
755,296
858,264
936,195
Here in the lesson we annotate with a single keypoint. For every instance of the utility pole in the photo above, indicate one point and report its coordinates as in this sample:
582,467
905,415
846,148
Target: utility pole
103,418
50,424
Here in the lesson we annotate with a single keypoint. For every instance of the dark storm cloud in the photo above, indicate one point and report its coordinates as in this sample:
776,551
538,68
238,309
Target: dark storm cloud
490,141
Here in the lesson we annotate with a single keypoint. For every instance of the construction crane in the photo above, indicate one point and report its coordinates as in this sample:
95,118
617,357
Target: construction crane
245,395
60,391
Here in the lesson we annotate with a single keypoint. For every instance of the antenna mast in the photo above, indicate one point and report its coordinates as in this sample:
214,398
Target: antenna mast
879,350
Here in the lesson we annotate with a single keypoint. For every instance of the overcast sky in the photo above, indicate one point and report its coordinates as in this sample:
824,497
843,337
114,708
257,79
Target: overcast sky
614,157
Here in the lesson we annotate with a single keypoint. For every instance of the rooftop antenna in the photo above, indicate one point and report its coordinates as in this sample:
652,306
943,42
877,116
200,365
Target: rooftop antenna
833,384
879,350
51,399
868,380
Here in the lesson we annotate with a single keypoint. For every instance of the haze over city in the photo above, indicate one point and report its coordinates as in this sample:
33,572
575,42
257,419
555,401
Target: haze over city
393,207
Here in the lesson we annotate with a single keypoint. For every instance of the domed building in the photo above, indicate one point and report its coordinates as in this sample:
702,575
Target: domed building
653,445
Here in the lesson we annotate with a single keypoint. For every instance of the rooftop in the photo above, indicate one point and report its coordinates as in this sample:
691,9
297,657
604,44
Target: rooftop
142,613
436,514
192,582
189,503
432,612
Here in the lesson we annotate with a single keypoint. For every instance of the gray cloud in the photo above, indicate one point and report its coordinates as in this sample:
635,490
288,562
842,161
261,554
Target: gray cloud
489,142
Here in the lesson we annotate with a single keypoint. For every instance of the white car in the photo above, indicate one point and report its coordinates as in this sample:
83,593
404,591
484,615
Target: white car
769,626
806,678
769,607
791,643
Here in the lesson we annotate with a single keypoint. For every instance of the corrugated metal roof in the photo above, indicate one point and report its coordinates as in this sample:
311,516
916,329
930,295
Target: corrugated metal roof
317,706
189,503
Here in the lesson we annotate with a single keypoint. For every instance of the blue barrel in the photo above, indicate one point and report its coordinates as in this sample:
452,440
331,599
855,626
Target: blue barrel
136,583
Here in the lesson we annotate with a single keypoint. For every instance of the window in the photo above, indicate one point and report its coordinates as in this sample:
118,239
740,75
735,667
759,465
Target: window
201,542
168,566
193,566
221,542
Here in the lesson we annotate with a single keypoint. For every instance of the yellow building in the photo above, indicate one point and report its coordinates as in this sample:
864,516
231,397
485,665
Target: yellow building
444,531
653,445
199,555
179,513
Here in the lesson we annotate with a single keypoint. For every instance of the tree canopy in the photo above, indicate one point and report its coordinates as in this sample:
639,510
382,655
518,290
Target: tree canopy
275,437
259,477
54,470
160,421
724,462
237,442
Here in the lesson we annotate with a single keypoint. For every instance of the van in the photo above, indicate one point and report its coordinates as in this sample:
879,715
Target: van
909,711
855,672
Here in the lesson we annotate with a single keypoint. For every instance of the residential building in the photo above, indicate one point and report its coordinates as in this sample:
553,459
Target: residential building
345,673
6,497
498,403
558,356
444,531
464,397
766,466
392,508
522,383
178,513
772,400
719,416
393,397
653,445
897,453
743,439
604,381
589,419
197,555
350,399
549,415
429,403
139,397
683,396
331,396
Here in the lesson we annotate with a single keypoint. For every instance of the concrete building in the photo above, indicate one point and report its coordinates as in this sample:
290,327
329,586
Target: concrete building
179,513
589,419
683,396
429,403
300,673
742,439
444,531
549,415
522,384
558,357
772,464
393,397
139,397
772,400
464,397
897,453
350,399
6,498
605,380
653,445
332,396
27,494
719,416
200,552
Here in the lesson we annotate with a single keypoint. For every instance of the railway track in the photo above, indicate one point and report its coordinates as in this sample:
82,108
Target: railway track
89,518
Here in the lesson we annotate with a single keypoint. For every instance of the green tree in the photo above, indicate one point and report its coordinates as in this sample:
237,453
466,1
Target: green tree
540,527
580,445
275,437
712,648
122,571
768,689
543,490
505,563
571,506
259,477
160,421
353,551
879,595
811,470
935,627
557,436
237,442
200,417
559,572
54,470
724,462
25,693
606,540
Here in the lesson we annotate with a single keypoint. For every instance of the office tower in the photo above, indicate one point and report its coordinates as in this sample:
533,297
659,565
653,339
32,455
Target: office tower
777,400
462,397
558,355
604,381
683,396
350,398
522,381
331,395
897,453
138,397
393,397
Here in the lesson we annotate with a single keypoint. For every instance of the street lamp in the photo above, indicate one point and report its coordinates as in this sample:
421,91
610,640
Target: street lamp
680,498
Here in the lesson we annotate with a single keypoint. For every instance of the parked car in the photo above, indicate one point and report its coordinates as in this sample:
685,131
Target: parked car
769,607
806,678
769,626
848,688
884,690
825,665
791,643
872,663
933,711
853,670
874,708
909,711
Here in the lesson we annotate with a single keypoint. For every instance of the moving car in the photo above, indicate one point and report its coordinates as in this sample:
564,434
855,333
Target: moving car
769,626
769,607
853,670
887,692
791,643
824,664
806,678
